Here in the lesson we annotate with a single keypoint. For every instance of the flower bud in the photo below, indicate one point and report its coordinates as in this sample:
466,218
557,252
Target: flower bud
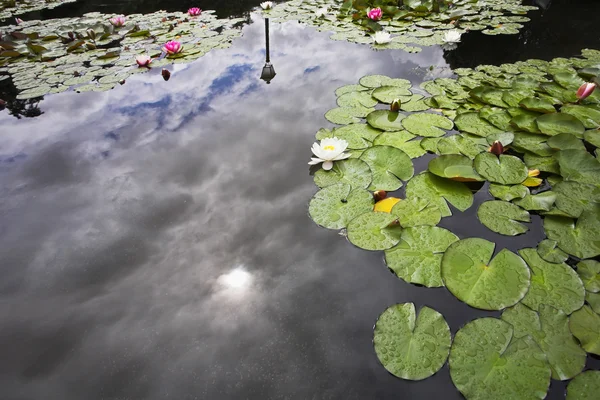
395,106
497,148
166,74
379,195
585,90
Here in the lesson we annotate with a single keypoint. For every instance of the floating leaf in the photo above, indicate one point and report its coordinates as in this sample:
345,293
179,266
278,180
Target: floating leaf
565,141
472,123
581,238
506,170
335,206
386,120
374,231
549,251
354,172
508,193
549,328
468,273
584,386
346,115
418,256
389,165
358,99
410,346
585,326
592,137
414,211
554,284
503,217
589,272
553,124
386,205
537,202
439,190
387,94
587,115
579,166
358,136
574,198
537,105
488,362
427,124
533,143
455,167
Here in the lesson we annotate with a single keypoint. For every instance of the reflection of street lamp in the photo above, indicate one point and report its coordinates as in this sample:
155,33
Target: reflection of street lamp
268,72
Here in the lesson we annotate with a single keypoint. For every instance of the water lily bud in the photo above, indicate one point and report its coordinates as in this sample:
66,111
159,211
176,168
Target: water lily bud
497,148
395,222
122,82
379,195
166,74
585,90
395,106
91,34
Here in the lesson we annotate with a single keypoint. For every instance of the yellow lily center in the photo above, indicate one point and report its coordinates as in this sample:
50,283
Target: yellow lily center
329,147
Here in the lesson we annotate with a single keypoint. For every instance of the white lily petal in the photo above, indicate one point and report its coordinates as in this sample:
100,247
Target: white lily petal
315,161
327,165
342,156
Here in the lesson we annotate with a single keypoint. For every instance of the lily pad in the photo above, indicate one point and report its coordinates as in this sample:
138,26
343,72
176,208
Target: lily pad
356,99
489,285
343,115
389,165
538,105
414,211
584,386
386,120
335,206
354,172
508,193
506,170
488,362
387,94
589,272
587,115
374,231
549,251
554,284
565,141
549,328
472,123
427,124
418,256
503,217
579,166
455,167
410,346
358,136
581,238
537,202
574,198
585,326
553,124
439,190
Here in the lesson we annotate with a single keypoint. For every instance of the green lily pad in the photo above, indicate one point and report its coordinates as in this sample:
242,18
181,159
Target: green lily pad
581,238
589,272
585,326
335,206
506,170
354,172
401,140
508,193
358,136
592,137
472,123
386,120
349,88
343,115
470,276
574,198
427,124
389,165
537,202
514,97
549,328
554,284
549,251
503,217
537,105
579,166
584,386
506,138
533,143
410,346
418,257
565,141
488,362
358,99
589,116
414,211
553,124
546,164
374,231
387,94
593,299
439,190
375,81
454,166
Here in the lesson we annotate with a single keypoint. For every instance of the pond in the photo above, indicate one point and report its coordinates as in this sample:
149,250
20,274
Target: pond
156,241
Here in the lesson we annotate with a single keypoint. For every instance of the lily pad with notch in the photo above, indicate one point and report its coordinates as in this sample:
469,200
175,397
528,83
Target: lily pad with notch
335,206
389,165
374,231
503,217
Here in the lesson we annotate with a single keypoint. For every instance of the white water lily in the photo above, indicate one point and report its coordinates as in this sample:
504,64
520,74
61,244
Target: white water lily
452,36
266,5
328,151
382,37
321,12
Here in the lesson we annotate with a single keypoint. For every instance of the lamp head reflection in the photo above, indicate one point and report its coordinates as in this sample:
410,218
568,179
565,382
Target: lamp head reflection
268,72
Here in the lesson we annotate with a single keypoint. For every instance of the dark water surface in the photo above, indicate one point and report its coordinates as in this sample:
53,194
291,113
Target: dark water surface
155,242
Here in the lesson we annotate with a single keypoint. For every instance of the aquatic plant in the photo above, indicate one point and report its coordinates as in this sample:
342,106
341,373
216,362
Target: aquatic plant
9,8
328,151
194,12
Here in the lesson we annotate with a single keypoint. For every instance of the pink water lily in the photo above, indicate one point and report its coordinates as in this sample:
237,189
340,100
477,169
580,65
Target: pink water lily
143,60
585,90
118,21
375,14
19,21
194,12
172,47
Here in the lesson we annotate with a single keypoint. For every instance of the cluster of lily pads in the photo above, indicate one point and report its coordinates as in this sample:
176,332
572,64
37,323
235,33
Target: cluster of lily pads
527,133
405,25
95,52
9,8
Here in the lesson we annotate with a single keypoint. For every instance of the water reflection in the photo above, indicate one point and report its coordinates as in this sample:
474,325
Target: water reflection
268,71
238,278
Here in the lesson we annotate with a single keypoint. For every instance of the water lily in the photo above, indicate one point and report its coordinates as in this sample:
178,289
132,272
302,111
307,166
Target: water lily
143,60
118,21
19,21
497,148
395,105
266,5
379,195
172,47
382,37
321,12
328,151
194,12
452,36
585,90
375,14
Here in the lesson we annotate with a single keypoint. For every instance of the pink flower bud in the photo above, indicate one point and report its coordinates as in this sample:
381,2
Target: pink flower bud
172,47
118,21
375,14
194,12
585,90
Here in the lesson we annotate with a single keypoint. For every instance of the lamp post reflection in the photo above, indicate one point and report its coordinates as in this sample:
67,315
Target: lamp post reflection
268,71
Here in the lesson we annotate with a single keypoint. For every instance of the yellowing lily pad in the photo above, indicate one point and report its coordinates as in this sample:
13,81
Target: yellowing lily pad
386,204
